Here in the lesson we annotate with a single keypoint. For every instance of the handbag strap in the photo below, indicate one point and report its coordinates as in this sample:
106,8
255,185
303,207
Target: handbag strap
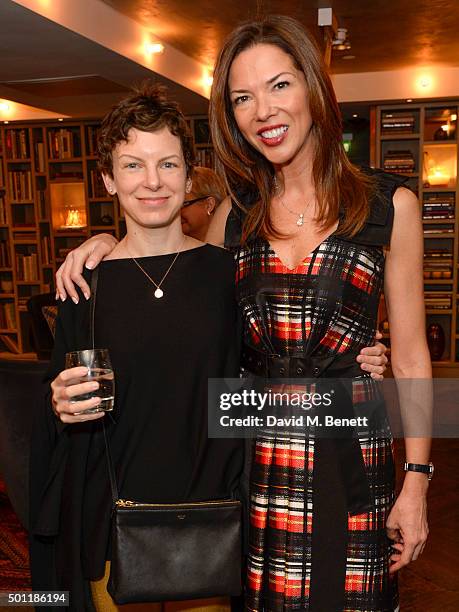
92,319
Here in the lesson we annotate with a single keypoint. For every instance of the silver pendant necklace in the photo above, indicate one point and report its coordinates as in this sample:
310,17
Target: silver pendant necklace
158,292
300,216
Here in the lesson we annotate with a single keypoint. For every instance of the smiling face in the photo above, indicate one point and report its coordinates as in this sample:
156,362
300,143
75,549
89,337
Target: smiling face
270,103
149,176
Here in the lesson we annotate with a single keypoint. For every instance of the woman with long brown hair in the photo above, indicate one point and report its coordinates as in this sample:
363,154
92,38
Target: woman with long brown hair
315,240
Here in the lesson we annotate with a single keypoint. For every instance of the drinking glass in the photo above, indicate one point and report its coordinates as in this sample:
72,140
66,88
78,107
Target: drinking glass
99,369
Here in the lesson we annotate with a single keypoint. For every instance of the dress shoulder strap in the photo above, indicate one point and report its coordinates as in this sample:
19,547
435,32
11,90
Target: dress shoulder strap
378,226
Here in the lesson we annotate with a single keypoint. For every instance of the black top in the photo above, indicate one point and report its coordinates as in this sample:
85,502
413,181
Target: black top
163,352
376,231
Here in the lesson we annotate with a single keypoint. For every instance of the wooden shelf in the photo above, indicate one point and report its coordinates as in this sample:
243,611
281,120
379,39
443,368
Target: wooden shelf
439,189
438,281
440,311
19,160
7,296
439,221
8,331
26,283
21,202
440,142
401,136
65,160
439,236
6,269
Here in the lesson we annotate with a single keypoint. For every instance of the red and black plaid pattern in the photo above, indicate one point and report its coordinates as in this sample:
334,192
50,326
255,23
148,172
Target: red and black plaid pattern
327,305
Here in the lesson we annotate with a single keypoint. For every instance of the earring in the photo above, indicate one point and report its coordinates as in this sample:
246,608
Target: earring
209,212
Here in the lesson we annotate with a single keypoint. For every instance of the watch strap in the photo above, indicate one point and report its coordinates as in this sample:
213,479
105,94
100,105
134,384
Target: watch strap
420,467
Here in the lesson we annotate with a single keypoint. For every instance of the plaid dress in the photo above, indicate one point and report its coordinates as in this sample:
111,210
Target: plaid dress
307,551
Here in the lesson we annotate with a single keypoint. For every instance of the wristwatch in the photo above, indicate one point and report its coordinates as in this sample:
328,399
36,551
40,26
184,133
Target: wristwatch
420,467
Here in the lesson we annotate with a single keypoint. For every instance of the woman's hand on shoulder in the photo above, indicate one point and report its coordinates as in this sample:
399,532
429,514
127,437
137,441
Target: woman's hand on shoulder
88,254
66,386
216,232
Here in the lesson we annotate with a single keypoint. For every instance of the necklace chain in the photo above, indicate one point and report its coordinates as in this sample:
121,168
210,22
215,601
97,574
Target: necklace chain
300,216
159,292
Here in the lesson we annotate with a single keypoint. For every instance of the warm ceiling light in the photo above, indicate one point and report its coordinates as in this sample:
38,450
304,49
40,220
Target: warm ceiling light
60,119
4,107
154,48
6,122
208,80
409,100
355,115
453,117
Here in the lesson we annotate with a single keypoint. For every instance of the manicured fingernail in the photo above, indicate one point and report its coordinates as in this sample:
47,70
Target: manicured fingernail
57,295
75,300
90,264
63,297
86,295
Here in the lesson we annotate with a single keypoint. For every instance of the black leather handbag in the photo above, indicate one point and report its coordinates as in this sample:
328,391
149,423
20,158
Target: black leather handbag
162,552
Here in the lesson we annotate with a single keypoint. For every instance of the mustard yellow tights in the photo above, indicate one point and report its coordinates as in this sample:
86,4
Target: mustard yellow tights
104,603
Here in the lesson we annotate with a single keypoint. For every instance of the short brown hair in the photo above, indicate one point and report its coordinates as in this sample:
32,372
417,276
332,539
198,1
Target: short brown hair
147,109
206,182
337,182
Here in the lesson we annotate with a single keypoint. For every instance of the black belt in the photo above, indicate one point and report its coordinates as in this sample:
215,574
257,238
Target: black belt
294,366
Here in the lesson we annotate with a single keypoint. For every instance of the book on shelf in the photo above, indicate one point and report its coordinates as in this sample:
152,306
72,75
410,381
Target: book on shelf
205,157
17,144
26,267
92,135
401,123
42,204
5,261
46,250
436,230
10,344
40,156
438,264
20,184
7,315
97,185
3,220
399,161
439,206
437,301
63,144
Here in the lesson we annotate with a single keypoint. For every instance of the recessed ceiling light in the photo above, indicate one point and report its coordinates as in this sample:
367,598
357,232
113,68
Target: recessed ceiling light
348,57
409,100
60,119
154,48
355,115
6,122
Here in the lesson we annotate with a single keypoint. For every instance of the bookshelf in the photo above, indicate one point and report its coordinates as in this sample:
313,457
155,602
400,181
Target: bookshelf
52,199
420,141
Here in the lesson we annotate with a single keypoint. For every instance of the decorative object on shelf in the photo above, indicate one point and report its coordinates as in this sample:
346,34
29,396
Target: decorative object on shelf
435,175
441,134
106,220
436,341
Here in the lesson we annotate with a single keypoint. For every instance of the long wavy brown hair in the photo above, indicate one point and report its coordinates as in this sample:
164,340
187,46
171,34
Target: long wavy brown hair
340,187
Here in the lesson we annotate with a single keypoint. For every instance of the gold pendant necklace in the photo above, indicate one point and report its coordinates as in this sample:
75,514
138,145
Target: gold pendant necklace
158,292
